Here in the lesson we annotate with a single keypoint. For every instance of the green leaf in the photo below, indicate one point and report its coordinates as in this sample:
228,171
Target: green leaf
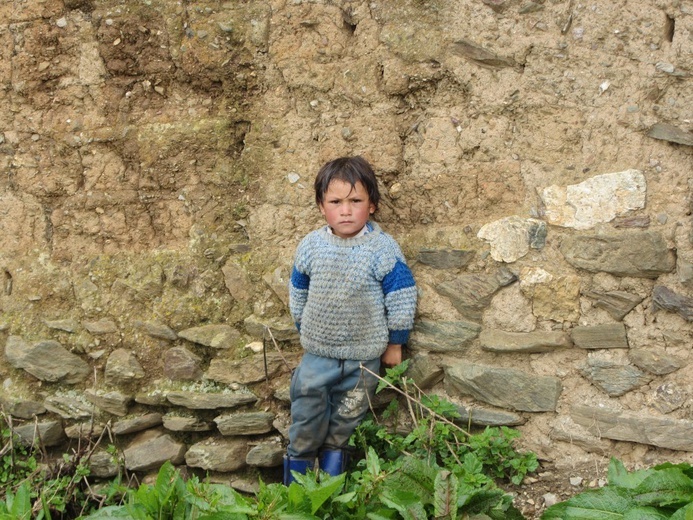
386,514
645,513
685,513
327,488
555,512
407,504
223,515
685,467
441,406
345,498
481,500
19,504
619,476
445,494
665,487
471,463
392,376
372,462
299,502
597,504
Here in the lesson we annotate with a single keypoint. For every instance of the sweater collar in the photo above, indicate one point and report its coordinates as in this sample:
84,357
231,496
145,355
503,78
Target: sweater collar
372,230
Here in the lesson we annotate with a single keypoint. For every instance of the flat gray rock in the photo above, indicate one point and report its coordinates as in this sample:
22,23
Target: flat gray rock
211,400
609,335
641,254
666,299
504,387
445,258
443,336
151,449
643,428
616,303
245,423
524,342
216,336
46,360
217,454
614,378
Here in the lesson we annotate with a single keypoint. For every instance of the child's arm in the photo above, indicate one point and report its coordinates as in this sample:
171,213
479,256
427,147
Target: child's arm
298,295
298,286
399,289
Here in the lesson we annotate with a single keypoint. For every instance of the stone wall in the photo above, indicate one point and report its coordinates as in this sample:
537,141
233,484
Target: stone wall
157,161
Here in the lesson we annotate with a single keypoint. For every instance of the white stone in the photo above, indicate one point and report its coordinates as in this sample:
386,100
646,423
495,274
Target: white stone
509,237
550,499
533,276
599,199
255,346
293,177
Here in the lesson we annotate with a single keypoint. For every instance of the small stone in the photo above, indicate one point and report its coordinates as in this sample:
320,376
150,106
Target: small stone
550,499
575,481
66,325
255,346
102,326
293,177
61,22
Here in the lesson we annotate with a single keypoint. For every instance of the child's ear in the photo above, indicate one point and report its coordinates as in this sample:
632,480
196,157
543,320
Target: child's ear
322,209
372,208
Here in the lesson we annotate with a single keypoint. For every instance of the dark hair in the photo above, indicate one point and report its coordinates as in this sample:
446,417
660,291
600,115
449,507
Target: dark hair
348,169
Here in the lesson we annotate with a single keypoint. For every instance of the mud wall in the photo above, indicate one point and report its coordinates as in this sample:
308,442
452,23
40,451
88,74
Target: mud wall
157,160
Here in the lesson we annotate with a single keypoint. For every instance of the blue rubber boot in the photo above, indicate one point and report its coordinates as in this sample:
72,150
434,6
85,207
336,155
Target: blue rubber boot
298,465
333,462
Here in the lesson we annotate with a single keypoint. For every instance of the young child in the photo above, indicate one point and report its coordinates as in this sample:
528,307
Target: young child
353,299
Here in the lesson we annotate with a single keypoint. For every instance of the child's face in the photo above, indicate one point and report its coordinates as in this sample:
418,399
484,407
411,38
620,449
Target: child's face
346,209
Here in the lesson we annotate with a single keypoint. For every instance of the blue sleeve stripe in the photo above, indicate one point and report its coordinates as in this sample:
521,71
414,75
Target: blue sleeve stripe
399,278
299,280
398,337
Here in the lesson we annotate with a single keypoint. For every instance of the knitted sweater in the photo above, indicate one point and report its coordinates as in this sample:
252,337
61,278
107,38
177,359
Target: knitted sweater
351,297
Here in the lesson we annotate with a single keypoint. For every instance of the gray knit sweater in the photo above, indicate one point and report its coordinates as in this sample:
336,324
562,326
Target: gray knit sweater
351,297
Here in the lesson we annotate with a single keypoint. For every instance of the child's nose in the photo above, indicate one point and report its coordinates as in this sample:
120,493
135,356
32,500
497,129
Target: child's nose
346,208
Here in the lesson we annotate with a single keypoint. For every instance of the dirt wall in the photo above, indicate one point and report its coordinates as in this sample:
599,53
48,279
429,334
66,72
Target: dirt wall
534,158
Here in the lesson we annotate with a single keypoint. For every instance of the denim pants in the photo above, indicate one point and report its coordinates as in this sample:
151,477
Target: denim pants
329,398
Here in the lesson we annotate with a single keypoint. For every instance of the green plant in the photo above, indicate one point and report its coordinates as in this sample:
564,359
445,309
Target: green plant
57,489
664,491
173,498
16,461
434,436
17,506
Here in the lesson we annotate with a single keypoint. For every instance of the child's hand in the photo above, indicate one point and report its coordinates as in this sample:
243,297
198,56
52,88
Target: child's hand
392,356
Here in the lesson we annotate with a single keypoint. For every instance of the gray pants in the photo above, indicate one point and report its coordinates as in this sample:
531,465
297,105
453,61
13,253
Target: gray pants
329,398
